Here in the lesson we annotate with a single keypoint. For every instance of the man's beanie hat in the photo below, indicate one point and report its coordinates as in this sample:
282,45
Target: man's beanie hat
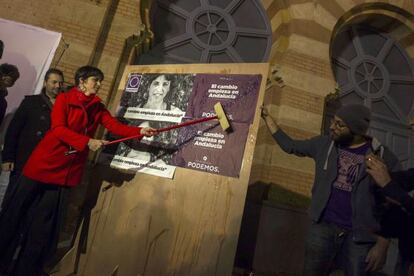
356,117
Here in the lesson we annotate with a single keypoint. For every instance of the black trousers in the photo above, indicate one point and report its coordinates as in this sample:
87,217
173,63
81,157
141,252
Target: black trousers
11,187
397,223
30,223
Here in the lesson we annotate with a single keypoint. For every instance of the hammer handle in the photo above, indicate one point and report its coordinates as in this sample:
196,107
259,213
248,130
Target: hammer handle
188,123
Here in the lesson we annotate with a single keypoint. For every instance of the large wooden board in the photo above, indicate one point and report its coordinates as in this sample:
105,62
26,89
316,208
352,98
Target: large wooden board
186,226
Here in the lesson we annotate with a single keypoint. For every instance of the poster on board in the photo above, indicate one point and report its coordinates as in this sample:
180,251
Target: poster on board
161,100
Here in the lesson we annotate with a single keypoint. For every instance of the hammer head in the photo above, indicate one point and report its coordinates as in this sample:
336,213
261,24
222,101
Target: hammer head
221,116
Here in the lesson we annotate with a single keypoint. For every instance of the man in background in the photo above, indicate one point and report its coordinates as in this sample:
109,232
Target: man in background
28,126
398,221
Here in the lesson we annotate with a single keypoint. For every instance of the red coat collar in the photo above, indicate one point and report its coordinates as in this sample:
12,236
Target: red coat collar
75,97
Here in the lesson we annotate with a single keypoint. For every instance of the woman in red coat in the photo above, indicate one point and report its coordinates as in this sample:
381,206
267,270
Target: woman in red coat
31,219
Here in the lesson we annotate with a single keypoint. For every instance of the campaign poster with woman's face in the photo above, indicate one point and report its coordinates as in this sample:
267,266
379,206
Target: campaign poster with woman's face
162,100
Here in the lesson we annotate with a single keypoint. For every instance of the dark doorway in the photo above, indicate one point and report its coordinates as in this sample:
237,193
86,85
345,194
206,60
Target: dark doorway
371,67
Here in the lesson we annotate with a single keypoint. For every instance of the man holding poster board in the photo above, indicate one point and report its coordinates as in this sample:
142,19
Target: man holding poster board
344,206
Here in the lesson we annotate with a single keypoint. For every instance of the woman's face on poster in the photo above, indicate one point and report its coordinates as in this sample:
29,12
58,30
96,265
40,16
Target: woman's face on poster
159,88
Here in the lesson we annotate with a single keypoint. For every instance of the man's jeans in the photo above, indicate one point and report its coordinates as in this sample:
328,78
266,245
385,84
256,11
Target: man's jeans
328,244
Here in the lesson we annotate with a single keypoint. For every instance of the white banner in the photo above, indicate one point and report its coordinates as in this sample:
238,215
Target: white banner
31,49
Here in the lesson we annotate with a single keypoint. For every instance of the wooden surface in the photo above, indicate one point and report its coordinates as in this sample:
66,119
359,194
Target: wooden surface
149,225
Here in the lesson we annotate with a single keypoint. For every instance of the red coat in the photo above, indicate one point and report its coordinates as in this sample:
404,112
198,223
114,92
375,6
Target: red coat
74,121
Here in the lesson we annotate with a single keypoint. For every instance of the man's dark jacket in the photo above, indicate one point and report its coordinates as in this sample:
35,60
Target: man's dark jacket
402,182
28,126
3,104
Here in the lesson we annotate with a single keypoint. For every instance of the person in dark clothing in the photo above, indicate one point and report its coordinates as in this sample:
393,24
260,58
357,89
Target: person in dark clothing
1,48
395,185
398,221
343,205
8,76
28,126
